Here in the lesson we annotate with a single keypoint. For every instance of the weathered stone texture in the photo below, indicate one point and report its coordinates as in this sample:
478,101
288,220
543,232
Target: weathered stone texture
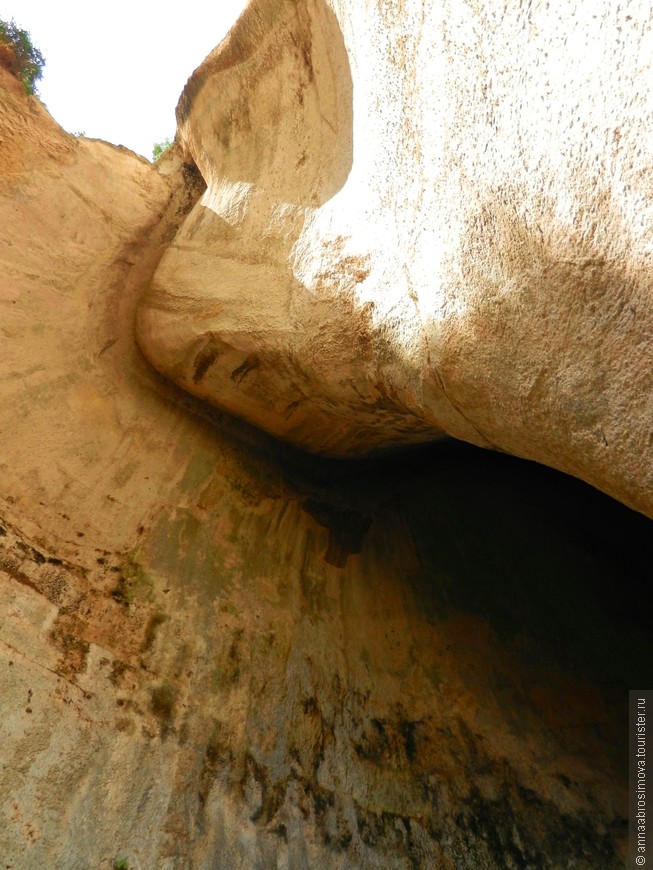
423,218
216,651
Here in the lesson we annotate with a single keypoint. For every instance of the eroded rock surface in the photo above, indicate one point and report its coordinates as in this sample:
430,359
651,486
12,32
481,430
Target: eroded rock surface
423,219
218,652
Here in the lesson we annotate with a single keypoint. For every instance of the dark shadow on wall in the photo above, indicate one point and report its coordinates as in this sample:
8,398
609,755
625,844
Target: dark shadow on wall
547,560
276,101
550,562
551,361
538,587
523,608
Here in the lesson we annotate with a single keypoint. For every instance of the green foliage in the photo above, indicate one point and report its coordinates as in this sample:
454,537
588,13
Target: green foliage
121,864
160,147
19,56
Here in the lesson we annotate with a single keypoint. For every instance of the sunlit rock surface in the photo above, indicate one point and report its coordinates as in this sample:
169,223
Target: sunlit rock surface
422,219
218,652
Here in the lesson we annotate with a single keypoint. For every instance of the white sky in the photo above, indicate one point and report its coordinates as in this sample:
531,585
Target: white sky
115,70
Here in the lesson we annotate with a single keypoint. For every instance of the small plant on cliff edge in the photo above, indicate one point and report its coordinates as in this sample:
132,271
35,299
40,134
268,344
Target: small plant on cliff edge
160,147
19,56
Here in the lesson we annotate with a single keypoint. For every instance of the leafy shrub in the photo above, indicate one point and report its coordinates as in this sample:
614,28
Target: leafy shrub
19,56
160,147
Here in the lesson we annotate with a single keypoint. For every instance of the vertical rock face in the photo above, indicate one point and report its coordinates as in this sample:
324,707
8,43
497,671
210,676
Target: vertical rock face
216,651
420,219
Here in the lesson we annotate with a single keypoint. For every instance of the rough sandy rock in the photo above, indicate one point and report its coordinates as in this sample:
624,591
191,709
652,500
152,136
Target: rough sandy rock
217,652
423,218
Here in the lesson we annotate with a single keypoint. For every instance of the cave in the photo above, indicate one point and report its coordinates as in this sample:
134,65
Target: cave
288,576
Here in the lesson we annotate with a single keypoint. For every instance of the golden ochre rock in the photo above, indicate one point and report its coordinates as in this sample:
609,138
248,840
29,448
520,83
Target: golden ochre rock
218,651
422,221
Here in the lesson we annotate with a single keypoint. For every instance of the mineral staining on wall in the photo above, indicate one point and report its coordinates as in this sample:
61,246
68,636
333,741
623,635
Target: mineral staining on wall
218,650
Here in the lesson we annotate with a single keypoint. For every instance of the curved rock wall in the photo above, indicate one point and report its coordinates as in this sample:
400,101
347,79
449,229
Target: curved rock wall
421,219
215,651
